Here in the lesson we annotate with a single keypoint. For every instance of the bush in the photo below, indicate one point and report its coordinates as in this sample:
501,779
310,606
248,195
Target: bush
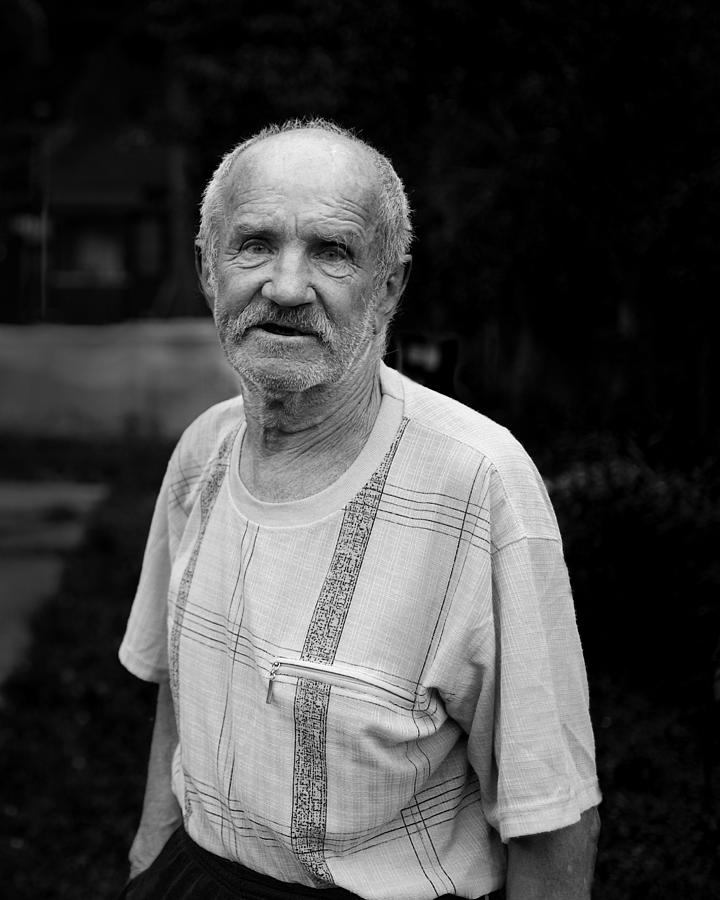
641,545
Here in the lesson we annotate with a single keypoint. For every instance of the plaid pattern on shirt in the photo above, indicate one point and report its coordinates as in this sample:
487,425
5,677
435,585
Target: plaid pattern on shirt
377,685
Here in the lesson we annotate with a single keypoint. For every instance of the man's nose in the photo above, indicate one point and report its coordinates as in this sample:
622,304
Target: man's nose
289,282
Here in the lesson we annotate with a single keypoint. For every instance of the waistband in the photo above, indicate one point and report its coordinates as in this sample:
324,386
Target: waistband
252,885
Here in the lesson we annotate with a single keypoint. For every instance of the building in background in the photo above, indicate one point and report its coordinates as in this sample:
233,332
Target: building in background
89,232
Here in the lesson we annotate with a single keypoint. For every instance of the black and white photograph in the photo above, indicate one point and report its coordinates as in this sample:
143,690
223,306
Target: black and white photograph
359,450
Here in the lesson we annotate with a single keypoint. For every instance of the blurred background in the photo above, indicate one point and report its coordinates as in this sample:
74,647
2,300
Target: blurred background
563,162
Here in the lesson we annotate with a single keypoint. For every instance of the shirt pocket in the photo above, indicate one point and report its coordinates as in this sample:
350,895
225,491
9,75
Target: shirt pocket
354,746
347,679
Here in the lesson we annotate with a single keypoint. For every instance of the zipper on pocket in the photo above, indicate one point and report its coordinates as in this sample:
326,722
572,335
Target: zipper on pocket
271,680
332,675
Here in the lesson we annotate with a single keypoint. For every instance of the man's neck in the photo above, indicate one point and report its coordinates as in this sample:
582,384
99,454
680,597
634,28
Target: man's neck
297,444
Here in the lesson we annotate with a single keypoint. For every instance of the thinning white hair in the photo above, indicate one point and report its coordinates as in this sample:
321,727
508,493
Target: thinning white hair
394,234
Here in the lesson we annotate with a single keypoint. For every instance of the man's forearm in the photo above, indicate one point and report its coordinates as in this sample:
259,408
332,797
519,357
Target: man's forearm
557,865
160,814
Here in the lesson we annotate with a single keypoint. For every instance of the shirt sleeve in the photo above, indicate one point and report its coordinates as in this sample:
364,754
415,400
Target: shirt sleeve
143,650
536,764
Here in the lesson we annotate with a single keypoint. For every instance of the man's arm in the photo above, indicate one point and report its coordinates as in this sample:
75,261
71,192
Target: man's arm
555,865
160,814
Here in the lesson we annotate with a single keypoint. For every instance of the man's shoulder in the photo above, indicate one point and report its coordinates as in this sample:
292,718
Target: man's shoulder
458,427
462,449
216,419
203,440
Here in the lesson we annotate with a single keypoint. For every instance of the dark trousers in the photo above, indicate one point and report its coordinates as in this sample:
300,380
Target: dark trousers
185,871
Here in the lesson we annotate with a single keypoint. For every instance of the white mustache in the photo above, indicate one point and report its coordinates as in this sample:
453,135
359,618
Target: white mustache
308,321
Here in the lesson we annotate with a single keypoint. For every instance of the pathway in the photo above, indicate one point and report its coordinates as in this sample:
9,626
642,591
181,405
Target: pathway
39,523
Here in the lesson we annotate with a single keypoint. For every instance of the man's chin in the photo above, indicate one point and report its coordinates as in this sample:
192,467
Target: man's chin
281,375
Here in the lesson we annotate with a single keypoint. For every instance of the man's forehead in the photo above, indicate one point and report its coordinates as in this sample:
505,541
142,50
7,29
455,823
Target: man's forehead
306,159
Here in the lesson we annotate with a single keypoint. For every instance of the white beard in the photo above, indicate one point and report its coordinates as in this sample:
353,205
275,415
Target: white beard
276,367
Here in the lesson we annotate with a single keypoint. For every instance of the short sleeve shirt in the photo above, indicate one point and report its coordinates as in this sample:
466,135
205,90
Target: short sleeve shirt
378,685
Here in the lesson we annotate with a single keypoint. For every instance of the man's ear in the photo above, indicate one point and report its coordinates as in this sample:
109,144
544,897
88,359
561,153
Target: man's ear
204,277
392,289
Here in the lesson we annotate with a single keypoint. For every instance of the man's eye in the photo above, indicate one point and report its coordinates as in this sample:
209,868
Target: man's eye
333,253
254,247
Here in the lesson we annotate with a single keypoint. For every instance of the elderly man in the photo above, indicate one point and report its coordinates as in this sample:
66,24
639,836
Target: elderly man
353,596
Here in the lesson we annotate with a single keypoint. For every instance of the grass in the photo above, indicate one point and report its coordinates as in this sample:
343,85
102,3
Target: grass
75,727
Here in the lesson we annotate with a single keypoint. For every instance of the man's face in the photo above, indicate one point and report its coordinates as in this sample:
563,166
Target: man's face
294,304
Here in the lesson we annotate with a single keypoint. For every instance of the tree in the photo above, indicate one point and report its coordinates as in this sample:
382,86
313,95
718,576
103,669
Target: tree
560,157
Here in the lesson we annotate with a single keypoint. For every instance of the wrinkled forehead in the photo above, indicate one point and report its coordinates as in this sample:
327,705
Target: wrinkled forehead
308,163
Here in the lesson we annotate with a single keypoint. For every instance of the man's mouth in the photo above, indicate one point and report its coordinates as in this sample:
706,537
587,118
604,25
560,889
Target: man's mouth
282,330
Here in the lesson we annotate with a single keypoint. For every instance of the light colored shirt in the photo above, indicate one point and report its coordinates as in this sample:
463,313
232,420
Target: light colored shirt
379,684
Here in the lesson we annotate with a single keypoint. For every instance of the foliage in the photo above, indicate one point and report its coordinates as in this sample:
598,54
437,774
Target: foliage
641,544
659,815
561,158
